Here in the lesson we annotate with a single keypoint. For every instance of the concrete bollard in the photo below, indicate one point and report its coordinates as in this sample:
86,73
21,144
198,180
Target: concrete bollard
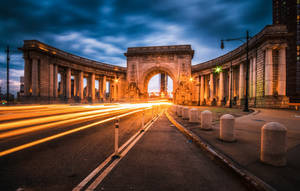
273,144
179,111
117,120
199,114
194,115
185,113
227,128
206,120
174,108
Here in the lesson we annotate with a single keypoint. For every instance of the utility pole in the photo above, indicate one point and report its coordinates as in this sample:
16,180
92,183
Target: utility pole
199,80
246,106
7,74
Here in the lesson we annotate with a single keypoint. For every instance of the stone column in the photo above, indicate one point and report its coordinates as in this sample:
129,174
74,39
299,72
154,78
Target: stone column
100,87
68,83
229,85
80,85
202,90
92,86
211,86
206,89
221,87
75,82
27,77
241,81
34,77
282,72
269,72
51,80
115,90
197,90
55,88
254,77
62,83
251,78
104,88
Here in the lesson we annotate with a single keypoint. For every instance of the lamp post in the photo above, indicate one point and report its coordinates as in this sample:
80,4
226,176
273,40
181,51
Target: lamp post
246,107
199,84
7,75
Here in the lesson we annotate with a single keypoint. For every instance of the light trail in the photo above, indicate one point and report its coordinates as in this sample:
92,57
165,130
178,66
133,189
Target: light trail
67,119
54,124
27,145
36,114
29,107
27,122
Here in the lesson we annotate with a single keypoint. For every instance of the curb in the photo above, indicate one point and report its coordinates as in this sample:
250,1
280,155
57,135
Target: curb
252,181
256,111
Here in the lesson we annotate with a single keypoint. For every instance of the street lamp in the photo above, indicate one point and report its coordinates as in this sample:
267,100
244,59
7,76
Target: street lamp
246,108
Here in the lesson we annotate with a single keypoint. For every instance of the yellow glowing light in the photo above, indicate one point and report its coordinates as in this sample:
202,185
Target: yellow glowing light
43,48
191,79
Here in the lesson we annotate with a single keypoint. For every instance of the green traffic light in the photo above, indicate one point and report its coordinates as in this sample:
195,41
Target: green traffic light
218,69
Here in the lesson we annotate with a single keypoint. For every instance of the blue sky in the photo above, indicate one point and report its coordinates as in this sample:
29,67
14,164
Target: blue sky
103,29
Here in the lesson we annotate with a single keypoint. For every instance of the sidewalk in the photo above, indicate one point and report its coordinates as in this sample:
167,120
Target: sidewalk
165,160
246,150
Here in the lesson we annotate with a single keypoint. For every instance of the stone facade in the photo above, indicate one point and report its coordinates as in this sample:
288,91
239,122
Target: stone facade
145,62
52,75
267,72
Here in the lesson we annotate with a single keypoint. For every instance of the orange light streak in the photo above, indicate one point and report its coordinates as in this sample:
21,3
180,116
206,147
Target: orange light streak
40,113
51,125
27,145
16,124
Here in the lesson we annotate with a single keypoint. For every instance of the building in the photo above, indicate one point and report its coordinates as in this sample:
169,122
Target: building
287,12
53,75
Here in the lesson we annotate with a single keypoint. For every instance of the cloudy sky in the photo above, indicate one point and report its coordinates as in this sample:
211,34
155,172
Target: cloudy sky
103,29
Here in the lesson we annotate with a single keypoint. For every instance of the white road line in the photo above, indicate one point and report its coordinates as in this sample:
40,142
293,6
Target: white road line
103,164
99,179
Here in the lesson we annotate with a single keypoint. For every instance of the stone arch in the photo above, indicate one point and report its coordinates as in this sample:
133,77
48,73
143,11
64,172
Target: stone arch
156,70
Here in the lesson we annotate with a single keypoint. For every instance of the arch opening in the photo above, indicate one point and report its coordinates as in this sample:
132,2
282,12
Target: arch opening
159,84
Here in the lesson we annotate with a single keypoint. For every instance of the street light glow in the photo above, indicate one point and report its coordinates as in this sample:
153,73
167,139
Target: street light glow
218,69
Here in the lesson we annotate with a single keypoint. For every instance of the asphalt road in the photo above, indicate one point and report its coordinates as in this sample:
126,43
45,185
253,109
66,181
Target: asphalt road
61,163
55,147
164,159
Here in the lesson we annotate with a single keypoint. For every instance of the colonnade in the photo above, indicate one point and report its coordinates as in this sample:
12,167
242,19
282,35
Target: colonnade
216,88
48,80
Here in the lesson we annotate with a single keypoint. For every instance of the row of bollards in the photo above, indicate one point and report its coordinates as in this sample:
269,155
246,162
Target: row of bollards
273,134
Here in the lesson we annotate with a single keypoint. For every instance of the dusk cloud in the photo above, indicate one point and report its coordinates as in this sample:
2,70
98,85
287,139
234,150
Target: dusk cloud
102,30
